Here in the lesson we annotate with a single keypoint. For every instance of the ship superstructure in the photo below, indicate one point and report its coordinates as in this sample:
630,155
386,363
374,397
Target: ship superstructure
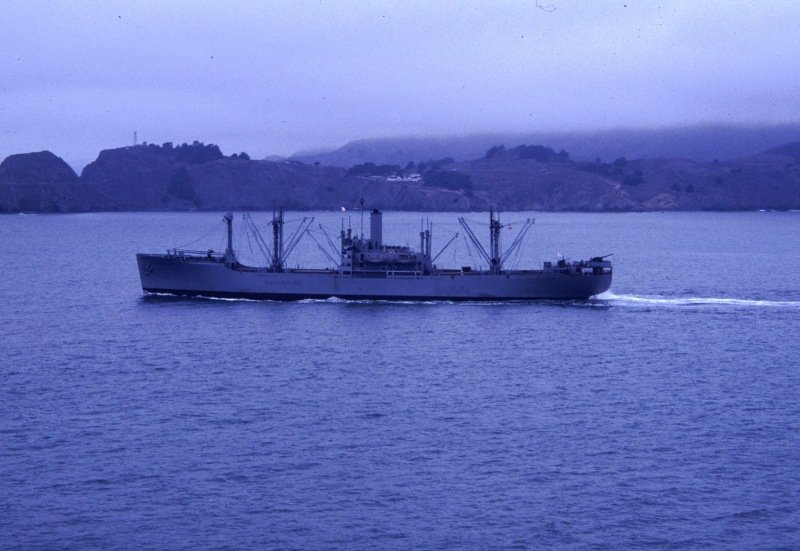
369,269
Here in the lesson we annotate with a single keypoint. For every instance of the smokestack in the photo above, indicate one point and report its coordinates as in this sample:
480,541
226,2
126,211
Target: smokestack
376,228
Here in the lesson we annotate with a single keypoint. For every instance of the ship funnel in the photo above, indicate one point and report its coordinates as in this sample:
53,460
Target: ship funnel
376,228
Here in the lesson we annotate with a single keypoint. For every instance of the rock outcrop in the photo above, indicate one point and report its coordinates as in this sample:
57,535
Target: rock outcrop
42,182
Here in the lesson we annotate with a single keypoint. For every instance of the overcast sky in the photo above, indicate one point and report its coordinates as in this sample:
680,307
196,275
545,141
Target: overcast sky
277,77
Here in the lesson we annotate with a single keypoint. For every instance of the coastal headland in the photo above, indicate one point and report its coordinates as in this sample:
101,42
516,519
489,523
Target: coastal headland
198,176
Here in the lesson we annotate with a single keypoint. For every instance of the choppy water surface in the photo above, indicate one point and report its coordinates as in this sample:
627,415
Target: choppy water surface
662,414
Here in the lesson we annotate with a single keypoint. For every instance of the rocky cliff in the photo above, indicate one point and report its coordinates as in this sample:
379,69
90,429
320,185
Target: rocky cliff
42,182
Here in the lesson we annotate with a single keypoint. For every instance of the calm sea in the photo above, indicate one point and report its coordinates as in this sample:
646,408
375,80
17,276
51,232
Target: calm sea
663,414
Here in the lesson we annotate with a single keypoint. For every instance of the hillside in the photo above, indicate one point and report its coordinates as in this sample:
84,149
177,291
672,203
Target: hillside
770,180
524,177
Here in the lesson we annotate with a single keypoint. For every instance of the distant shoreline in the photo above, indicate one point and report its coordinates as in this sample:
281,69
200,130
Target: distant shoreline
198,177
222,211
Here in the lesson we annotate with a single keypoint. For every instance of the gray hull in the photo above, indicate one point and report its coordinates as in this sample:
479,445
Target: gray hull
192,276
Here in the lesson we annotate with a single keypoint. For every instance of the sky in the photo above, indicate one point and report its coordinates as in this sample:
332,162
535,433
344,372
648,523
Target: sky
273,78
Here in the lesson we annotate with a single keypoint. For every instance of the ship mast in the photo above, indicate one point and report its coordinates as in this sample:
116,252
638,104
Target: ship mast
425,239
230,258
494,231
362,218
495,257
277,241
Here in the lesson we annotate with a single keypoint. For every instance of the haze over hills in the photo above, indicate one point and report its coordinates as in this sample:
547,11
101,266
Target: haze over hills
199,176
697,142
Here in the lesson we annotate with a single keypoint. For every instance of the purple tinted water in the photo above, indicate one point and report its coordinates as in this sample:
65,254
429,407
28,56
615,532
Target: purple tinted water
664,414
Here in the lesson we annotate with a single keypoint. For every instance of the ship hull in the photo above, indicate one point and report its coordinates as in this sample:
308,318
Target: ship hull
192,276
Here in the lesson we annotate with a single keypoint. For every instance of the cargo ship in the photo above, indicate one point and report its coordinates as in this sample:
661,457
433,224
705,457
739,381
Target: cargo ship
369,269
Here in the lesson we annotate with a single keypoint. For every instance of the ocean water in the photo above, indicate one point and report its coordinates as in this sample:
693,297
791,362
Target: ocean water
663,414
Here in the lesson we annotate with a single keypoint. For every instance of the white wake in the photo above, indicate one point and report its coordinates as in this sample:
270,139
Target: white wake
660,300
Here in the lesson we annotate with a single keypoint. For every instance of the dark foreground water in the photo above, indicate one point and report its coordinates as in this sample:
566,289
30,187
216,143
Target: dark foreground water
665,414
